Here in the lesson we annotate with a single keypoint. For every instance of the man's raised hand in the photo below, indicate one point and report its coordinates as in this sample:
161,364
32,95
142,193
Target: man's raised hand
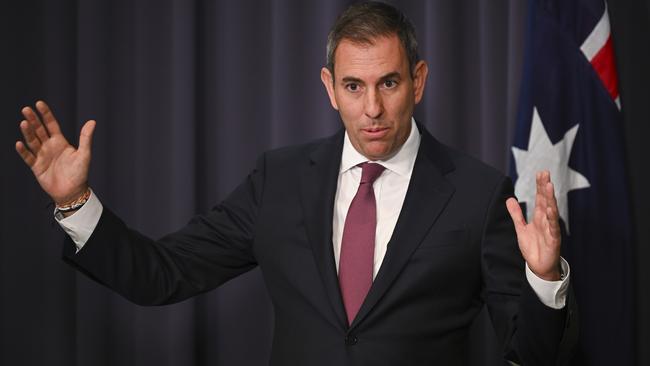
60,168
539,240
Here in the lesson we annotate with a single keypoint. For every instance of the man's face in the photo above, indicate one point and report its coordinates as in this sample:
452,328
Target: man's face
375,94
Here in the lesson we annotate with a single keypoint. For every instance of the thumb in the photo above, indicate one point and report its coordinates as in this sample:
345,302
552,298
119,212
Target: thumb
516,214
86,136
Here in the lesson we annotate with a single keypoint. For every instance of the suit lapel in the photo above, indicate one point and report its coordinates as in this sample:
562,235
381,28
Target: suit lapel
317,192
427,195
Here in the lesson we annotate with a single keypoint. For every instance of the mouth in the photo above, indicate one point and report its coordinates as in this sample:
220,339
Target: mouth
375,132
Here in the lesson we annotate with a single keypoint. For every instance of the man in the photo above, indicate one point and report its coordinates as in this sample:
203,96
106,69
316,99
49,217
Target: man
378,245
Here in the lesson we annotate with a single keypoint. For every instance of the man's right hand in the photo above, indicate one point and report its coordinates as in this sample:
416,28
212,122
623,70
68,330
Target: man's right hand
60,168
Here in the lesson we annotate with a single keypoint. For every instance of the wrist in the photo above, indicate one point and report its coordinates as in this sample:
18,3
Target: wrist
553,275
72,197
70,206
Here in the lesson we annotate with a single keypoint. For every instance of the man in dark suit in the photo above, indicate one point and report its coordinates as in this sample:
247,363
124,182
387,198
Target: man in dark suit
378,245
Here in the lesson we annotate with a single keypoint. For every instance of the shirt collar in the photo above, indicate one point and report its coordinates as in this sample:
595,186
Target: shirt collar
401,163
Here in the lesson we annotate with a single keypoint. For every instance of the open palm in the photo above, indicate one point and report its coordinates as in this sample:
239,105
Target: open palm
539,240
60,168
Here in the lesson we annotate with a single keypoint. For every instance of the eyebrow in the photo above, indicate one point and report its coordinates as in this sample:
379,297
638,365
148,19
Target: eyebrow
390,75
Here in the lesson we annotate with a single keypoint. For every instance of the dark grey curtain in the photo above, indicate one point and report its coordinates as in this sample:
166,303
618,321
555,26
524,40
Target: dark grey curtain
186,95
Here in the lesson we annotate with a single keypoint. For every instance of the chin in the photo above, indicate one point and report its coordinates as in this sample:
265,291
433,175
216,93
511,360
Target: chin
377,154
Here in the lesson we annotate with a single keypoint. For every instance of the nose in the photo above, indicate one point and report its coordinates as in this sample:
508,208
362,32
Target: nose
373,106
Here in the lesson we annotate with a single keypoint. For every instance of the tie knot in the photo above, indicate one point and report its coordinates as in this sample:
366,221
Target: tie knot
370,172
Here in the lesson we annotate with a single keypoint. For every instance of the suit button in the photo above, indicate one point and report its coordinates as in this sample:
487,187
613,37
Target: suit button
350,340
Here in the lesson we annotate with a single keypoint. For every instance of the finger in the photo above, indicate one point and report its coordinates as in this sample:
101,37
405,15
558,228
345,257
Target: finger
545,177
86,136
540,204
550,239
552,212
540,195
539,214
36,124
549,193
540,200
516,214
25,154
49,120
541,179
32,141
553,226
551,202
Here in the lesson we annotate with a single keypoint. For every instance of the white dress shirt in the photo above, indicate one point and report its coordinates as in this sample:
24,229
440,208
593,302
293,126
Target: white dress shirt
390,190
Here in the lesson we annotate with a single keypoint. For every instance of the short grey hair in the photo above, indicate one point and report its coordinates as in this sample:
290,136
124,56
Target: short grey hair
361,23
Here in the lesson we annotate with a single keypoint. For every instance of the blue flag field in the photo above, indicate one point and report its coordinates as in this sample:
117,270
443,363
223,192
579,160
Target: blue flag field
569,122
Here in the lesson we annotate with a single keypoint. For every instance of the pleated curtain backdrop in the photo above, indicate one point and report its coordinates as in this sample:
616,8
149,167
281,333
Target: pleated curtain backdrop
187,94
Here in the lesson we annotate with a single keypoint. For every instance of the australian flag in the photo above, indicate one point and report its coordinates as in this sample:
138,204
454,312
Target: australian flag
569,122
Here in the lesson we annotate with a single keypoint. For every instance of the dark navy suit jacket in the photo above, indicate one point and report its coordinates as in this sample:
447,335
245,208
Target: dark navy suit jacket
452,251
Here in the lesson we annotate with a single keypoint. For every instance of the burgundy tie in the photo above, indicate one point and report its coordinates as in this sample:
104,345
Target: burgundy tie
358,242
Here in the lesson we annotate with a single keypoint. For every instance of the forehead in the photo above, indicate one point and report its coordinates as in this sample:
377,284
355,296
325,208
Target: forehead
385,55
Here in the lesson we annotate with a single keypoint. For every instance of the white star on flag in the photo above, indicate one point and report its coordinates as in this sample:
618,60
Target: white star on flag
542,154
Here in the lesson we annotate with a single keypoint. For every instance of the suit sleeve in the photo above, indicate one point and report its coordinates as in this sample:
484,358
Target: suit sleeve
208,251
530,331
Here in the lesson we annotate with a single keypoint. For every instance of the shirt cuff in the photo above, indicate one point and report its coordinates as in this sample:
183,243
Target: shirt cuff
551,293
81,224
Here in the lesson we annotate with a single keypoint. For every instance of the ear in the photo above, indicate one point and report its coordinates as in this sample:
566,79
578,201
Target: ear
419,80
328,82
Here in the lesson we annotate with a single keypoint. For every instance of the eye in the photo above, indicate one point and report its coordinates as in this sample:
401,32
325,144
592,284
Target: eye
353,87
390,84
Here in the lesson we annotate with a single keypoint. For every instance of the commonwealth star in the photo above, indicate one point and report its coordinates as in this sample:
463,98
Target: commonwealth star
542,154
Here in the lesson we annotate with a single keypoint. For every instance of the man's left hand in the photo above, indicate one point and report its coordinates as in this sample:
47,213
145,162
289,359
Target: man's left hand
539,240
